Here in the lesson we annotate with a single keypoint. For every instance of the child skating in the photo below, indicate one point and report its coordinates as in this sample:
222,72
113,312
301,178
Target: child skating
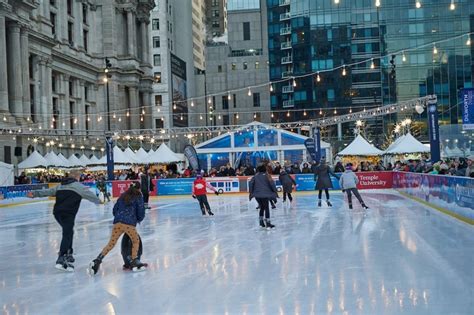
287,182
348,183
200,193
128,211
323,181
68,199
263,190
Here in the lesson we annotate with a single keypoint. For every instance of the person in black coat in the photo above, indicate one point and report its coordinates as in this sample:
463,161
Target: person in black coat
339,168
263,190
323,180
287,182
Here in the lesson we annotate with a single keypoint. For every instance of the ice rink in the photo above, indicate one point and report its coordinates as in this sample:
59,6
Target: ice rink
402,258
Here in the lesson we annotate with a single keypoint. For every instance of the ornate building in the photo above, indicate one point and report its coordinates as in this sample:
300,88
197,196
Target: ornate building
53,72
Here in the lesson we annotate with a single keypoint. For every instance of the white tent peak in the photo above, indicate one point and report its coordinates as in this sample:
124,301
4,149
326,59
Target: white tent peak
34,160
407,144
361,147
141,154
163,155
54,160
75,161
84,159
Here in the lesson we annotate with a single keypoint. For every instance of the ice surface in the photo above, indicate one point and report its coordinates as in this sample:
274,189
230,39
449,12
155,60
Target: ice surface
402,258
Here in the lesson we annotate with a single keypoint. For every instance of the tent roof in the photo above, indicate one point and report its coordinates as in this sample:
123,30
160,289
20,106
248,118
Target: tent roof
360,147
408,144
94,160
6,165
130,157
74,161
54,160
35,160
84,159
394,143
66,162
141,154
163,155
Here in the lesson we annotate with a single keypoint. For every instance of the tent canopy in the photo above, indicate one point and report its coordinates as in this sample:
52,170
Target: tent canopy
407,144
129,157
7,178
66,162
141,154
35,160
74,161
163,155
84,160
360,147
94,160
54,160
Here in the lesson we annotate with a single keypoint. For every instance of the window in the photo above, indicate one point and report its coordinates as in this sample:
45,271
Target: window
53,83
219,68
234,66
86,93
84,13
85,34
256,99
215,13
225,120
158,77
235,100
246,30
52,18
331,95
157,60
71,88
69,7
216,24
245,66
215,3
71,118
159,123
32,102
70,33
225,102
87,116
30,67
257,65
156,41
155,24
158,100
52,3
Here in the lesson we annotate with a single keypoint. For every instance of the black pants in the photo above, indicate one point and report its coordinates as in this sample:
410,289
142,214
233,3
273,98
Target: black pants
146,196
356,193
289,196
106,194
66,220
203,203
264,208
321,193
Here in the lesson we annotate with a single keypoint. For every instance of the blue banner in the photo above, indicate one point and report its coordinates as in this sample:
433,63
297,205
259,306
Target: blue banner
467,97
306,182
20,190
176,186
109,148
317,140
434,131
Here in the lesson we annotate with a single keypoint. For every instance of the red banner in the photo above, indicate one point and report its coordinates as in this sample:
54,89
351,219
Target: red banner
120,186
375,180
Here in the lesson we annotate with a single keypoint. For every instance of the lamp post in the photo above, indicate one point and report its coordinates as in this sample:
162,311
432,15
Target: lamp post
109,142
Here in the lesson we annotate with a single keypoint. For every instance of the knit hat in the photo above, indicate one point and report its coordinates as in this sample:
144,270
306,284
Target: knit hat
349,166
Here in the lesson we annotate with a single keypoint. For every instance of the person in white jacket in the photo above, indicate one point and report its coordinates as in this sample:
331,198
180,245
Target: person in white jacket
348,183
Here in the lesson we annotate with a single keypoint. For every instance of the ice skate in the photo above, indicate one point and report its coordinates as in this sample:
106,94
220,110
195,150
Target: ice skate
319,203
136,265
210,212
329,203
63,265
269,224
273,206
69,257
94,265
364,206
203,212
350,206
262,223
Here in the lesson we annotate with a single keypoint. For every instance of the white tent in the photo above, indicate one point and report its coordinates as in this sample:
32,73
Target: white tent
394,143
35,160
75,162
408,144
7,178
131,157
141,155
163,155
54,160
93,160
453,153
84,160
65,160
360,147
100,168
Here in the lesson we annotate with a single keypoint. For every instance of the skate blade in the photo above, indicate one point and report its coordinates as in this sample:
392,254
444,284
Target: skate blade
90,271
61,267
135,269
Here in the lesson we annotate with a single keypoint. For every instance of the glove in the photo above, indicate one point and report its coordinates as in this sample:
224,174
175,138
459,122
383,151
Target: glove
343,191
194,196
217,193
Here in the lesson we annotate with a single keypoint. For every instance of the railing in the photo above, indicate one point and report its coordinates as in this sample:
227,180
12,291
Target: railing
287,59
285,31
286,74
286,45
284,2
285,16
288,103
288,89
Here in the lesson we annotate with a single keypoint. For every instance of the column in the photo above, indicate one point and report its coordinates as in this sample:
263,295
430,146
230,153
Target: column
25,71
3,67
81,108
148,118
143,30
64,111
15,88
121,101
134,108
45,107
131,32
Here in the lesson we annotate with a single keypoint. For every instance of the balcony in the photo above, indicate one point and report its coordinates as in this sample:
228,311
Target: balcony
285,16
284,2
285,31
286,74
288,104
286,45
288,89
286,60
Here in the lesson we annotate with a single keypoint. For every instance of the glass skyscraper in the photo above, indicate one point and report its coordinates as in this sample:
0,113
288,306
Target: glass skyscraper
311,36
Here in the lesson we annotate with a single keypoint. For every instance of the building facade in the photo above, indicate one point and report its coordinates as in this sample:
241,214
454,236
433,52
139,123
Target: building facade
216,18
54,90
307,37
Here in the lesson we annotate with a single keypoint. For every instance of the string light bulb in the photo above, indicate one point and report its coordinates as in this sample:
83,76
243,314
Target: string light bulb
120,119
418,4
200,117
143,111
318,78
404,57
114,116
209,100
304,113
350,110
336,1
288,114
377,3
294,82
249,92
435,50
237,116
254,115
128,113
468,42
271,87
344,72
192,103
335,111
229,97
372,64
452,6
321,112
174,106
273,116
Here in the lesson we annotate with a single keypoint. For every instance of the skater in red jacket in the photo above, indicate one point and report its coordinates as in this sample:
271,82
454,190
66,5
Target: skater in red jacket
200,193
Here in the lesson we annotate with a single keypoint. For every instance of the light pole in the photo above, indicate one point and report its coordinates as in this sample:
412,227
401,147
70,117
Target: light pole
109,142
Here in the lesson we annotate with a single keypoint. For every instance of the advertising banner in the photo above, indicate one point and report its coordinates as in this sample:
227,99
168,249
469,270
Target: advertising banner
191,155
175,186
367,180
20,190
109,149
179,89
467,98
454,194
120,186
434,131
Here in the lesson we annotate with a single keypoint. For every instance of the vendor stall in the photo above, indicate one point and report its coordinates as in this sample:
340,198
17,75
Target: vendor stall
7,178
360,150
34,161
405,148
163,155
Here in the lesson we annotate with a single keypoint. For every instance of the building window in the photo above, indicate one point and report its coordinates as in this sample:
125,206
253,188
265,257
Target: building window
246,30
53,83
55,113
158,100
215,3
216,24
234,66
86,93
158,78
257,65
235,100
87,117
219,68
70,32
52,3
256,99
71,88
52,18
30,67
69,7
215,13
85,35
155,24
225,120
84,13
245,66
159,123
32,102
157,60
156,41
225,102
71,112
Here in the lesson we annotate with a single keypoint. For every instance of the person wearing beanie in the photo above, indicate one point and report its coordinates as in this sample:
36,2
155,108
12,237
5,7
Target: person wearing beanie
287,182
323,181
200,187
263,190
348,183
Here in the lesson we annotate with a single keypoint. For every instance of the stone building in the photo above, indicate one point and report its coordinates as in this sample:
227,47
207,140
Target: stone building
52,73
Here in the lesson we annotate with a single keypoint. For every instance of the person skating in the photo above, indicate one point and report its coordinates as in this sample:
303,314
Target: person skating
263,190
102,187
200,193
348,183
323,181
146,186
128,211
269,175
68,200
287,182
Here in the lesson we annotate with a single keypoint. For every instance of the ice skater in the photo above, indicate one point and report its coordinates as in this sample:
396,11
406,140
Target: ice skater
323,181
348,183
287,182
200,193
270,178
128,211
102,187
68,199
263,190
147,186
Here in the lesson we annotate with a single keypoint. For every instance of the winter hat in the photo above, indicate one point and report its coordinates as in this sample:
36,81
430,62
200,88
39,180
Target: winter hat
349,166
199,176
